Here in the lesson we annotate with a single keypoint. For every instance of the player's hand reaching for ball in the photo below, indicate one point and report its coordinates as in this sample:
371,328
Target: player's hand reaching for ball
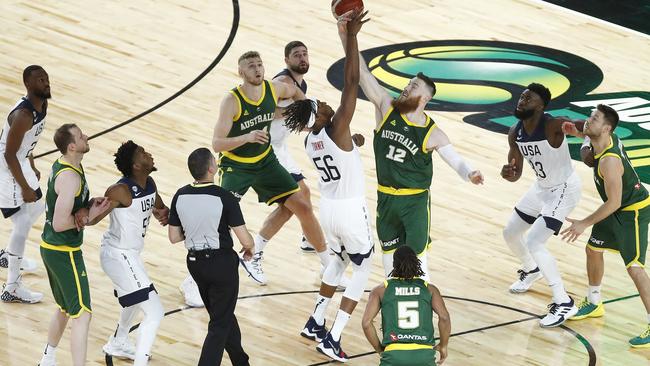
356,20
257,137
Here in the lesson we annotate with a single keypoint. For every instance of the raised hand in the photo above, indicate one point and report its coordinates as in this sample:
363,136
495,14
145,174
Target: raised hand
353,25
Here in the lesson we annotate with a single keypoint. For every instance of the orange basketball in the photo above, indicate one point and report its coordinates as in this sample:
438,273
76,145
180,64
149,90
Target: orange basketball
346,5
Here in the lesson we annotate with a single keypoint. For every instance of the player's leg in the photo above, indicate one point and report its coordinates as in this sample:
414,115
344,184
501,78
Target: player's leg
153,314
15,290
523,216
633,236
390,229
79,338
77,297
558,203
602,237
52,261
415,214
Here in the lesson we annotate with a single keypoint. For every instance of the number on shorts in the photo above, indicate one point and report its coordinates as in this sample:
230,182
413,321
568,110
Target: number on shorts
396,154
408,316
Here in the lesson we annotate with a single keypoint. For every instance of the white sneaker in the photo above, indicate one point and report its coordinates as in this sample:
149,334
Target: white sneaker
558,314
526,280
254,268
190,291
17,292
47,361
306,246
120,348
26,266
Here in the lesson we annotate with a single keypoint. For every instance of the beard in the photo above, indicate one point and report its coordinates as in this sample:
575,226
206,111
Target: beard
405,105
524,114
302,70
43,94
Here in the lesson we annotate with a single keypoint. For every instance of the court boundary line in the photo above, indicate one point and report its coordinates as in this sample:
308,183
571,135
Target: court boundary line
617,26
196,80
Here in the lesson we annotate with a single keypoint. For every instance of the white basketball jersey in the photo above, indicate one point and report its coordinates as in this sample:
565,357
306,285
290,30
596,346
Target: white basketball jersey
279,132
552,166
341,172
129,224
31,137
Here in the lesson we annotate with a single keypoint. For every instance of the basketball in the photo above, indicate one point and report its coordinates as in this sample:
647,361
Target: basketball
340,7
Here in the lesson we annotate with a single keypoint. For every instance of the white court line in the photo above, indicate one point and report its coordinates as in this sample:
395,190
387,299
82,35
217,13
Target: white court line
620,27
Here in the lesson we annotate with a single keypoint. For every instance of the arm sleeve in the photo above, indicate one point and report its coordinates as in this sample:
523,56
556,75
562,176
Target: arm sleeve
451,157
233,212
173,213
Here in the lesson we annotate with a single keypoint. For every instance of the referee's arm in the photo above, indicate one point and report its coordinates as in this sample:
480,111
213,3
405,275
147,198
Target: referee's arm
236,222
174,229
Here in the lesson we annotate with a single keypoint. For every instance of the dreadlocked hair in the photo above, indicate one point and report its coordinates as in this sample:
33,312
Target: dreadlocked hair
406,264
124,158
297,114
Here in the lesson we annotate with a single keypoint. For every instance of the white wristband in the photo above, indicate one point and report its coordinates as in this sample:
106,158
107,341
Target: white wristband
451,157
587,142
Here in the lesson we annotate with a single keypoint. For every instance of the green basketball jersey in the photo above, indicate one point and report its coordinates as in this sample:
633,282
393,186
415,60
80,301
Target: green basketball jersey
401,158
253,115
406,312
70,238
633,190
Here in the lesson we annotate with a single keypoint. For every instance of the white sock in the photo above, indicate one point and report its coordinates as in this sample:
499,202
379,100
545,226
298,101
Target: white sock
594,295
126,319
260,243
321,307
21,224
13,268
49,352
324,257
153,314
341,320
559,293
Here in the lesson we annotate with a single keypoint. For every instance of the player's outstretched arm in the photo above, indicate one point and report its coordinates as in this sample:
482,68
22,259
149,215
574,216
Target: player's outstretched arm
118,196
345,111
612,170
228,110
287,90
439,141
512,171
367,322
444,322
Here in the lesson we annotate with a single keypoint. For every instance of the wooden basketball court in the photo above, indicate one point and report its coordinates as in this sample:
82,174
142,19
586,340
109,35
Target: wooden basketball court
110,61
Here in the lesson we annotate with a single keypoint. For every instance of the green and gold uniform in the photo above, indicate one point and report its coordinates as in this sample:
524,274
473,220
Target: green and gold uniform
404,173
61,251
255,165
626,230
407,324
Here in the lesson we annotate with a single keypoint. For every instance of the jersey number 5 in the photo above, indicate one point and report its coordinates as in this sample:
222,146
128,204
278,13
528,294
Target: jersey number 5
328,172
408,316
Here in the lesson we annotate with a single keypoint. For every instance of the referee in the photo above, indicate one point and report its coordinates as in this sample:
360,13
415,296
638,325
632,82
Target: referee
202,214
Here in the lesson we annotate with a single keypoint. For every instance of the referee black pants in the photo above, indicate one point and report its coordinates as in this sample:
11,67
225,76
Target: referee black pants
215,273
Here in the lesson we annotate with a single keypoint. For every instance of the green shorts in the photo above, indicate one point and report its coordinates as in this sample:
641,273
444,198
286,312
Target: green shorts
625,232
403,220
68,280
267,177
416,357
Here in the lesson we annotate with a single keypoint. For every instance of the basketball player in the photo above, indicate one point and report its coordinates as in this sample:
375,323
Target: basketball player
247,158
20,194
406,302
133,199
343,209
403,142
539,138
67,193
620,223
296,57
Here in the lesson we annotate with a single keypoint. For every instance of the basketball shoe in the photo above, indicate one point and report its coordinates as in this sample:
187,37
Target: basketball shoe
526,279
190,292
589,310
120,348
332,349
643,340
27,265
17,292
314,331
558,314
254,268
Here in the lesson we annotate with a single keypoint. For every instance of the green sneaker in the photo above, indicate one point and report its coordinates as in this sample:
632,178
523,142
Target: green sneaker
643,340
589,310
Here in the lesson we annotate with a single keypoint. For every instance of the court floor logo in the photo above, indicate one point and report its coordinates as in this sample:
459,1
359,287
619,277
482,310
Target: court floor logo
487,77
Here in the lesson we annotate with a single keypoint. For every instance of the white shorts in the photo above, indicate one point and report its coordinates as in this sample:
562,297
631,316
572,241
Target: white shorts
11,195
553,204
346,224
279,135
126,269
